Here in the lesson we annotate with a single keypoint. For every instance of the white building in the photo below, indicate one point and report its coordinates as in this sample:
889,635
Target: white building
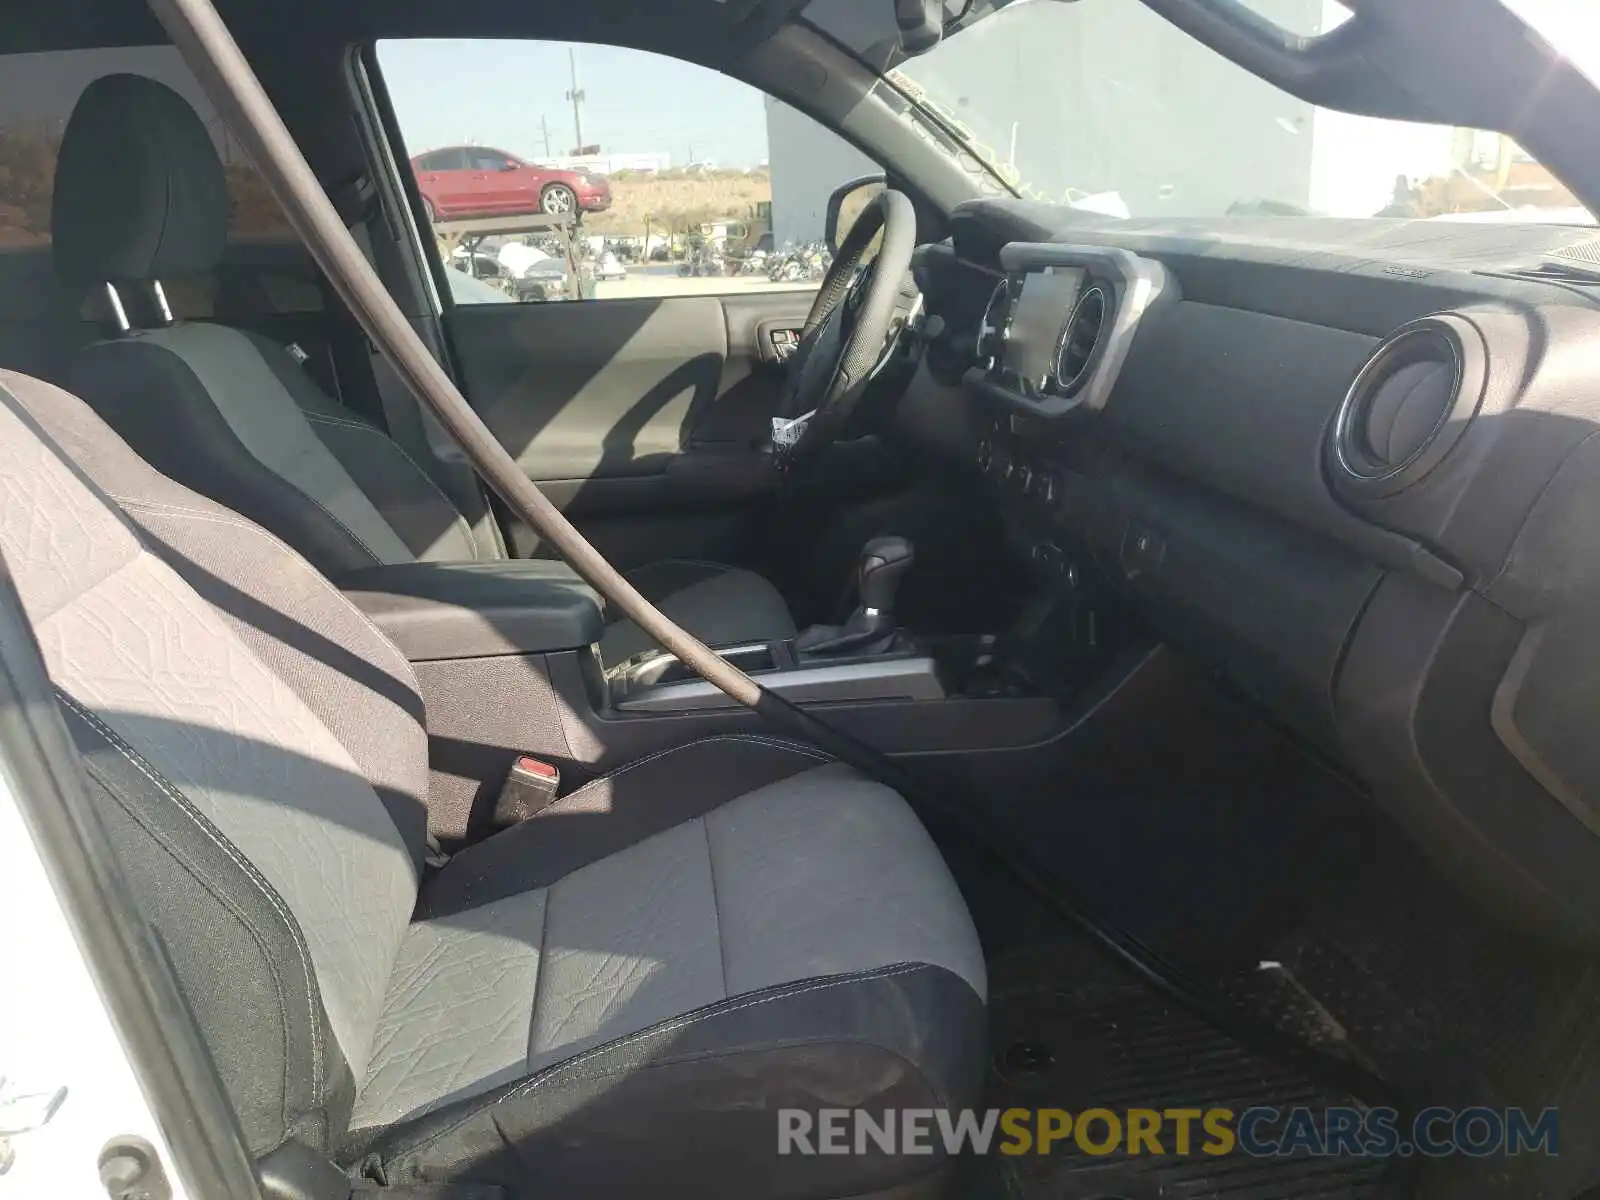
608,164
1108,98
807,162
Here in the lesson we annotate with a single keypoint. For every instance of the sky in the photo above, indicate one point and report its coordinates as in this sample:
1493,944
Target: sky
494,94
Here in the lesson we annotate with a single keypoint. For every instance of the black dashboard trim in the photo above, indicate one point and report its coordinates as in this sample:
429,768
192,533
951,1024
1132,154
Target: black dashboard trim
1137,285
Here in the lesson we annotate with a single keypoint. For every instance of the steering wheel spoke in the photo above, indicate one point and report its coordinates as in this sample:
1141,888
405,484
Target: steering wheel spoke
847,332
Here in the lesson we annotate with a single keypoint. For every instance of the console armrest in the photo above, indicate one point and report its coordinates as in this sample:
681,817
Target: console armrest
478,609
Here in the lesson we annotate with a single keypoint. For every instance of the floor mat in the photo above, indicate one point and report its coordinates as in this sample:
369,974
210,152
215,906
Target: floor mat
1105,1042
1457,1011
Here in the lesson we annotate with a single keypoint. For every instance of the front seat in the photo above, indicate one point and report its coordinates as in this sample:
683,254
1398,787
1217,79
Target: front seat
613,999
140,195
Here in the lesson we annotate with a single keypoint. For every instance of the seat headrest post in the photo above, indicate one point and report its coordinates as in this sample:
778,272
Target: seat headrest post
159,295
118,312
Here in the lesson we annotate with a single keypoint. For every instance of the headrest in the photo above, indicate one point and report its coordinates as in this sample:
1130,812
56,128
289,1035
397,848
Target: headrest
139,192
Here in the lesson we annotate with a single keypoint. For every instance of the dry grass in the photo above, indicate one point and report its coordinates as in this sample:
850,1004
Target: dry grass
27,173
27,178
677,201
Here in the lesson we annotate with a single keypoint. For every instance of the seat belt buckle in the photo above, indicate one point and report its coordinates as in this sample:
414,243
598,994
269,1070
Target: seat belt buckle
530,787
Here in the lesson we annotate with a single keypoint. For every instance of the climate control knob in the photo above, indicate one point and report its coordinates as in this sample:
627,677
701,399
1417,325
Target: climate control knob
1046,488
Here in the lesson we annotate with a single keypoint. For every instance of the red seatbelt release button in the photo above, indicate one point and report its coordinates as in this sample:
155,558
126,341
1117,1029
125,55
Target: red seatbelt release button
530,786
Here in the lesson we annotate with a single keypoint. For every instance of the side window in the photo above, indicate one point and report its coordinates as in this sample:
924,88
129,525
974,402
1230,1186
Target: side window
488,160
648,176
442,160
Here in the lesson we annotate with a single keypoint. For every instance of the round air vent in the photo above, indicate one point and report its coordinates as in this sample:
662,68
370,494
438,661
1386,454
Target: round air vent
992,329
1079,338
1408,406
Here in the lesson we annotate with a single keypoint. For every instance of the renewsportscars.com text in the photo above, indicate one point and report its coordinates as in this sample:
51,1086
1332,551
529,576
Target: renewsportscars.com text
1258,1132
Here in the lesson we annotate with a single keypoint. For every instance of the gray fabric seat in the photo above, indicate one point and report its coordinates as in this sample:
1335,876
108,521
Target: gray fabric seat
613,999
140,195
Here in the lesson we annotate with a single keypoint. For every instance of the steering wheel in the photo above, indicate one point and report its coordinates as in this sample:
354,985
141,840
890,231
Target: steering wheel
844,337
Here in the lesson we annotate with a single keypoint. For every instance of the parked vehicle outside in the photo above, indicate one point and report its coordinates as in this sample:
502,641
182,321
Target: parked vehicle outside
465,289
472,181
545,279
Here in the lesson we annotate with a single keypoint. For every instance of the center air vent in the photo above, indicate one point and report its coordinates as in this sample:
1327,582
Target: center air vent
1407,407
1079,337
992,329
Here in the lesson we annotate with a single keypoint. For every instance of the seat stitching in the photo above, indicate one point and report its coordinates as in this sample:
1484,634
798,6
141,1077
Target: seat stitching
354,536
775,743
166,349
776,1043
426,478
538,976
235,522
716,914
192,869
265,362
787,993
203,824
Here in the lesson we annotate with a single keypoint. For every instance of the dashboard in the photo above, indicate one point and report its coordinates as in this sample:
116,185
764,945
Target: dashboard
1350,466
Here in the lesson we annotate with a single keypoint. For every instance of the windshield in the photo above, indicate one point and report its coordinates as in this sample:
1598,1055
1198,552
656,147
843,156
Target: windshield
1104,105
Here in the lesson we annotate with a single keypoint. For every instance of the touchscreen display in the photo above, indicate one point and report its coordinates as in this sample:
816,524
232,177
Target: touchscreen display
1041,310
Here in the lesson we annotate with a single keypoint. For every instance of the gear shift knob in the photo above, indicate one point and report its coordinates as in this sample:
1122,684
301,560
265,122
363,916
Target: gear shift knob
870,629
884,563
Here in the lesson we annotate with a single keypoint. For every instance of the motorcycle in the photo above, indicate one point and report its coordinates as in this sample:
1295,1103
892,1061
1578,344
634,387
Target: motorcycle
703,262
810,261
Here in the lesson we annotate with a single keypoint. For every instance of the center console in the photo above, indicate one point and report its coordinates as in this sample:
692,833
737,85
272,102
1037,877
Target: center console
507,661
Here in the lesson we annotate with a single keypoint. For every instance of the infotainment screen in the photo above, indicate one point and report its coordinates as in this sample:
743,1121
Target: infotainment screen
1041,310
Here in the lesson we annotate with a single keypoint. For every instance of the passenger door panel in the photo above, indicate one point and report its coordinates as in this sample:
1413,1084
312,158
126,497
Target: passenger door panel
646,419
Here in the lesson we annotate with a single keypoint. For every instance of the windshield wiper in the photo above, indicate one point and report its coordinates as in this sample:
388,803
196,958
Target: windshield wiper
953,138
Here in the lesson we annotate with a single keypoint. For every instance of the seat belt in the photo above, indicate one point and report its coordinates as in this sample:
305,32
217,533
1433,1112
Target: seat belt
393,407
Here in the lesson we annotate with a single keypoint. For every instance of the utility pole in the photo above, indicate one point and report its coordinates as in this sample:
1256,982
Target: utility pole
576,95
544,124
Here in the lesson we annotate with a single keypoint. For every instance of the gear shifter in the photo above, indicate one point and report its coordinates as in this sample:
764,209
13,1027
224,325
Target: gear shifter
871,627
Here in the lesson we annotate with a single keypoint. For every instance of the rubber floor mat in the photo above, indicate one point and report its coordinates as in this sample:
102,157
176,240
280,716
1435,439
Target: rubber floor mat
1457,1011
1117,1045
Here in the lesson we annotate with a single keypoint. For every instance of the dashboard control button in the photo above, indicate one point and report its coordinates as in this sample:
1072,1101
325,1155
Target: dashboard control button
1142,550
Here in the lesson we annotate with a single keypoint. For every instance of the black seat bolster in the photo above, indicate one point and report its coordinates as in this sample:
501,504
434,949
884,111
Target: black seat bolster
413,504
153,398
643,1114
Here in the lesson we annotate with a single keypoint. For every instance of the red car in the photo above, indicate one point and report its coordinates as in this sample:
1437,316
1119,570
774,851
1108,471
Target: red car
475,181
